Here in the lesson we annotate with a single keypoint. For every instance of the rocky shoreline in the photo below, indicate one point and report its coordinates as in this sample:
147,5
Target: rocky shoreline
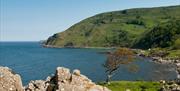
84,47
173,85
157,59
175,62
63,80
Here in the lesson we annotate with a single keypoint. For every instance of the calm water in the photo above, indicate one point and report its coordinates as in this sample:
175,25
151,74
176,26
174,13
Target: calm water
34,62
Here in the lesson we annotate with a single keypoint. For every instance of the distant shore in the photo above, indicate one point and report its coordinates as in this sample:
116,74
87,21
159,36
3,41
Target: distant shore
160,60
52,46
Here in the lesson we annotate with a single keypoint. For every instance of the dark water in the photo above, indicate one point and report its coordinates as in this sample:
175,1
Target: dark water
34,62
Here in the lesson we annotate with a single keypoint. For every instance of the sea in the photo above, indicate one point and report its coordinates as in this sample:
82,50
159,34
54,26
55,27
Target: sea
34,62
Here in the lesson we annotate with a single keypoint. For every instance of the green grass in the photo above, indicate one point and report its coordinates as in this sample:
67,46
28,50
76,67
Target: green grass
171,53
174,53
133,86
118,28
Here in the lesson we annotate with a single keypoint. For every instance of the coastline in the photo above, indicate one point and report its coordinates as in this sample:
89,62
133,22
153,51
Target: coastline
160,60
52,46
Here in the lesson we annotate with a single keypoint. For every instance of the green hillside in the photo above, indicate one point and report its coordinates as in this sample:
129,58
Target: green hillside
126,28
164,35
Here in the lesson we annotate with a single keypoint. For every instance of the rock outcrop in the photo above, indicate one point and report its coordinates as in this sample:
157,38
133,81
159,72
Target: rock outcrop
63,80
75,81
170,85
9,81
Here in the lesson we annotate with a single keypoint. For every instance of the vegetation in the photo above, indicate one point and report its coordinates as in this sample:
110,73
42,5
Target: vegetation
154,28
163,35
166,53
177,44
174,53
133,86
121,56
127,28
158,52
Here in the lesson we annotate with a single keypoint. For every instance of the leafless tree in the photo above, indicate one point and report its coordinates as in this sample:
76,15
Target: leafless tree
121,56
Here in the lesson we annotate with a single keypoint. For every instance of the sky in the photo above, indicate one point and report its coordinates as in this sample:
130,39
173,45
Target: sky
34,20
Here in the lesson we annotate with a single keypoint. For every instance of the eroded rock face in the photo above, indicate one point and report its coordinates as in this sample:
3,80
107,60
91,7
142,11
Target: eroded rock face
75,81
38,85
63,80
9,81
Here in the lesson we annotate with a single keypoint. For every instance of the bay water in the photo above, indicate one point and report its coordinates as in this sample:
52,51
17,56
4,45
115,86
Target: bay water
33,62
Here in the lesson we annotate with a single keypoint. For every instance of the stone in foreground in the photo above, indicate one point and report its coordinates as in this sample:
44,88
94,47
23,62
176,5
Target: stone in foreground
63,80
75,81
9,81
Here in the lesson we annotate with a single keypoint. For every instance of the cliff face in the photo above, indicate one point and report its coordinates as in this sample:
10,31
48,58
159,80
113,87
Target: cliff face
62,81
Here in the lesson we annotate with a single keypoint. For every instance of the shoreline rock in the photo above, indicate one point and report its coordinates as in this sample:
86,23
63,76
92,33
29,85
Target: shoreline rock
175,62
170,85
63,80
9,81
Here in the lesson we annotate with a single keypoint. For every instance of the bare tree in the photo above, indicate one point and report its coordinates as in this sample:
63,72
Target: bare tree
115,59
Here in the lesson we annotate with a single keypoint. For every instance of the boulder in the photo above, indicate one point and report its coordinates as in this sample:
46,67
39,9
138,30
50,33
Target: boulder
178,63
170,86
62,74
9,81
37,85
77,72
75,81
63,80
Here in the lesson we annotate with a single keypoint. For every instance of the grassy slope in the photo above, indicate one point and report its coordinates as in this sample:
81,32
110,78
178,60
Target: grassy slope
170,53
118,28
174,53
133,86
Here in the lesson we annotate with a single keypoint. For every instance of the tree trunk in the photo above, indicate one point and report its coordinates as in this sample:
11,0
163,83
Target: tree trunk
108,78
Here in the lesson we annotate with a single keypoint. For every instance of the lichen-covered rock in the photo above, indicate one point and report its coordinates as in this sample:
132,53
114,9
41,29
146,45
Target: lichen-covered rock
62,74
75,81
63,80
9,81
37,85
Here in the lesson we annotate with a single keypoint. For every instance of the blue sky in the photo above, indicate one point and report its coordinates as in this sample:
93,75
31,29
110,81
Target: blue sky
34,20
